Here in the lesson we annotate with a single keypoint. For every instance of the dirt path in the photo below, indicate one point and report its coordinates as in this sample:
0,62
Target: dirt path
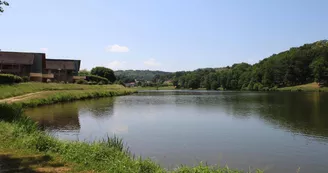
23,97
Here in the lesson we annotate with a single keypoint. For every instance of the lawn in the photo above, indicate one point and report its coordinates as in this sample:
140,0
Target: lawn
7,91
306,87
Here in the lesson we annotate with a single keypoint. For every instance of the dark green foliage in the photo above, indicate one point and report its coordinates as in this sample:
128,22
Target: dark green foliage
10,79
297,66
214,85
25,78
104,72
97,79
319,69
81,81
3,3
10,112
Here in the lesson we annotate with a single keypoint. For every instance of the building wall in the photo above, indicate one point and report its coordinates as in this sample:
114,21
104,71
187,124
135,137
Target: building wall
23,64
62,75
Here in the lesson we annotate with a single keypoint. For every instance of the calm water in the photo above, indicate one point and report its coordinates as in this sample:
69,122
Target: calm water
277,132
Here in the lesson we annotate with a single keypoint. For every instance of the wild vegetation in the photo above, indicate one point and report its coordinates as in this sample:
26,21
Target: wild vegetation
297,66
18,132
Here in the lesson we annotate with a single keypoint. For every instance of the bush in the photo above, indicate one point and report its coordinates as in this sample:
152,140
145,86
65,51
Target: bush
81,81
257,87
26,78
10,79
104,72
97,79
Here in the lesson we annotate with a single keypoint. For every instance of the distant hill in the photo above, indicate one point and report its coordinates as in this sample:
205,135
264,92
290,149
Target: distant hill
140,75
296,66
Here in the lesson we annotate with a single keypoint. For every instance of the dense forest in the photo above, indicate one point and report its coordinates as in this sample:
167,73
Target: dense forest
301,65
126,76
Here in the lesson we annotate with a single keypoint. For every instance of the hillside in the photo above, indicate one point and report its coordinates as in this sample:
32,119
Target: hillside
141,75
296,66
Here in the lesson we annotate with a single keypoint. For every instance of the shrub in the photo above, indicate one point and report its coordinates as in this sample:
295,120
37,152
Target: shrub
10,79
26,78
97,79
81,81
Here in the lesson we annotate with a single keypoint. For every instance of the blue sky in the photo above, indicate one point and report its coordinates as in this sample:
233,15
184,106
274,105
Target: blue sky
165,35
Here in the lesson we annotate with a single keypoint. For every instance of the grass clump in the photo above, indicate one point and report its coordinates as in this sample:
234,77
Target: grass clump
109,155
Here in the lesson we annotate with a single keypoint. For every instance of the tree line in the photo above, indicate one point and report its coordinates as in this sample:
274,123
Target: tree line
127,76
300,65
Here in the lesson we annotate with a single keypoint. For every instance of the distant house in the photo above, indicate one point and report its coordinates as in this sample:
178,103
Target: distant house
22,64
131,84
63,70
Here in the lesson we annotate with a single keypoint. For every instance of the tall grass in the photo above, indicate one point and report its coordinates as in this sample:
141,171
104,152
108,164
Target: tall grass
108,155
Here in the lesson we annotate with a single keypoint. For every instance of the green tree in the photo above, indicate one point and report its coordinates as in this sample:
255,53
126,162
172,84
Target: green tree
84,72
320,70
104,72
3,3
214,85
193,83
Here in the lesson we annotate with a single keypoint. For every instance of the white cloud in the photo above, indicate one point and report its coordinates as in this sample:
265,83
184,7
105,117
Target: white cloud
117,48
44,49
116,64
151,63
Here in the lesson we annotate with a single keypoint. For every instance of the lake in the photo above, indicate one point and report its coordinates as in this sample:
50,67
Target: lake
274,131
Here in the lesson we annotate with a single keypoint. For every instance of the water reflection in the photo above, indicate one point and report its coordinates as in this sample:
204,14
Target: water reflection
56,117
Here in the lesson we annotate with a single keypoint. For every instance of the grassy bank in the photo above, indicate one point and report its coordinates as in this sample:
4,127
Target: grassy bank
32,87
311,87
67,96
18,133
